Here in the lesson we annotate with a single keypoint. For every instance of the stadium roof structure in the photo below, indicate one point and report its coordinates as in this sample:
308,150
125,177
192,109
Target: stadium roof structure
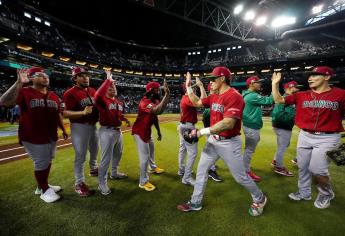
191,23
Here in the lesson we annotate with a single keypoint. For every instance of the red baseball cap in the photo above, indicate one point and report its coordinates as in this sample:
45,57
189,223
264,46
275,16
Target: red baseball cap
253,79
291,84
220,71
322,70
78,70
33,70
152,85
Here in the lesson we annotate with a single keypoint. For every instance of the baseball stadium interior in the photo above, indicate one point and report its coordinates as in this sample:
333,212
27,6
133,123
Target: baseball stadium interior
155,40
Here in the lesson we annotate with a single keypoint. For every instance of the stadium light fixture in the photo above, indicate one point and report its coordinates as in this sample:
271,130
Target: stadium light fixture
47,23
196,74
277,69
261,20
294,68
228,49
308,67
28,15
0,2
23,47
189,53
117,70
233,48
198,53
177,75
168,75
238,9
265,70
3,39
149,74
282,21
38,19
219,50
250,15
251,72
240,73
238,47
107,68
193,53
82,63
209,51
317,9
129,72
93,66
141,73
48,54
214,50
64,58
158,74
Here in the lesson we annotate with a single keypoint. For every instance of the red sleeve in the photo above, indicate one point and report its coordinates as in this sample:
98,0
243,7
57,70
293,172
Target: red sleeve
70,102
146,105
206,102
291,99
234,108
101,91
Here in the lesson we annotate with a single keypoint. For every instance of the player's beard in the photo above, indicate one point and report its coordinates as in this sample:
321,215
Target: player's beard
156,96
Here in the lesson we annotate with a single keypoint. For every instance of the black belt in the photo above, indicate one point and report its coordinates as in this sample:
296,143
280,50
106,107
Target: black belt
220,138
187,122
318,132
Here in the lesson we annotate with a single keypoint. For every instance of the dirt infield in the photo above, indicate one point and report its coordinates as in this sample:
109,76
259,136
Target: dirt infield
13,152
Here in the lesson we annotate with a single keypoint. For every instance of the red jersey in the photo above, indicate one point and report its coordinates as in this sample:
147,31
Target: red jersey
319,112
227,105
39,118
145,119
110,109
76,99
188,111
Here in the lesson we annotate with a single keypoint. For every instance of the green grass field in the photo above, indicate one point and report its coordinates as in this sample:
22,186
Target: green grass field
132,211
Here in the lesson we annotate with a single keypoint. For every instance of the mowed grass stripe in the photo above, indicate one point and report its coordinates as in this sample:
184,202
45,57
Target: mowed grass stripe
132,211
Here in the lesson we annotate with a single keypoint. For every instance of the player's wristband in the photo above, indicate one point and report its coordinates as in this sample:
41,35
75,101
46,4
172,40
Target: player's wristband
189,90
205,131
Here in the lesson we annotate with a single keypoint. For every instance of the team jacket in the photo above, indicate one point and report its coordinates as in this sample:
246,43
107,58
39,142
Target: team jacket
283,116
252,114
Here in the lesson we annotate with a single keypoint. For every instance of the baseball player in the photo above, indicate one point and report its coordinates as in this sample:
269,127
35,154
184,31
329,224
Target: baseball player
149,107
110,118
212,173
283,120
252,120
79,108
189,118
224,140
38,124
319,113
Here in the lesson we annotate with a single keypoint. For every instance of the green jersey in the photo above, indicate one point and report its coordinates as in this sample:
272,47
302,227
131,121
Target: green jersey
283,116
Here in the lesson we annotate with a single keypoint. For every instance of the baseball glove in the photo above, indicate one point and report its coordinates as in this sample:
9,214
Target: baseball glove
337,155
190,136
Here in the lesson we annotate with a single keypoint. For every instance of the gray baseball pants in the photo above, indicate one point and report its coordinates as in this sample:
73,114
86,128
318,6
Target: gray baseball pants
312,159
283,142
84,137
252,138
186,148
41,154
111,148
230,151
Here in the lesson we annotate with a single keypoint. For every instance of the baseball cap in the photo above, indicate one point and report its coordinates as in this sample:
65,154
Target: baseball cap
78,70
291,84
253,79
321,70
34,70
220,71
152,85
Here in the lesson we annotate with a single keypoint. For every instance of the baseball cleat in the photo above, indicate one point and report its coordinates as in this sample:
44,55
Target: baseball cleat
213,175
180,173
257,208
274,163
254,177
189,181
298,197
104,189
283,171
157,170
56,189
148,187
94,172
49,196
187,207
119,175
83,190
323,201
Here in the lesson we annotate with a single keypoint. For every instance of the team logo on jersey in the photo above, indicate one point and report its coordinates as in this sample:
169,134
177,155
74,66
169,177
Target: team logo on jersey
40,103
149,106
321,104
86,102
217,107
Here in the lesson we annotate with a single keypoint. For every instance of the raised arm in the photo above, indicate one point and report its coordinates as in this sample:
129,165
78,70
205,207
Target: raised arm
278,98
162,105
101,91
9,98
192,97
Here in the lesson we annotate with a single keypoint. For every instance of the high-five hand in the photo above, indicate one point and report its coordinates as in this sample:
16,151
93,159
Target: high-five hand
276,77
